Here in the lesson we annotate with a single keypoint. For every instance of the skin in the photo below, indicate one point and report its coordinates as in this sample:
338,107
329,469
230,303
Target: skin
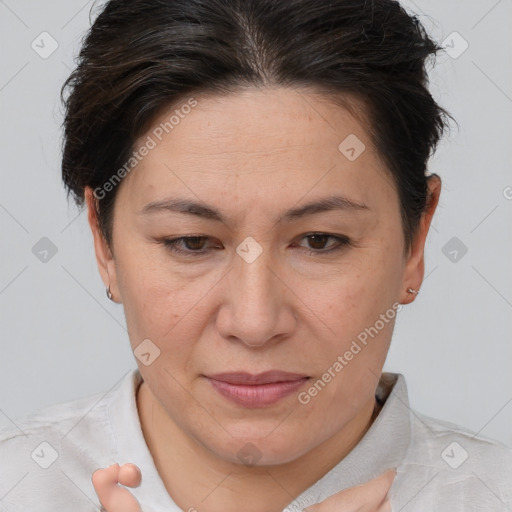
254,155
371,495
113,497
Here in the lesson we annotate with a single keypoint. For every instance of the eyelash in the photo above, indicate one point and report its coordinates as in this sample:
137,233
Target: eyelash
172,245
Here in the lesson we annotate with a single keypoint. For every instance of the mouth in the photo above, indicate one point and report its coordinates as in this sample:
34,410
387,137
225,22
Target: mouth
259,390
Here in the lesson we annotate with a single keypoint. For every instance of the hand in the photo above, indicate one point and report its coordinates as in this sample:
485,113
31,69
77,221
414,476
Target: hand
113,497
369,497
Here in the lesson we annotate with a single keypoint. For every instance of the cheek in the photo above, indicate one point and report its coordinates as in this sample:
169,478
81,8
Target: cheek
359,307
355,294
155,298
347,365
360,319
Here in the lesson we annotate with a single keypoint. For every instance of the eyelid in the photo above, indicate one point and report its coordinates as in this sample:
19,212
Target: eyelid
173,244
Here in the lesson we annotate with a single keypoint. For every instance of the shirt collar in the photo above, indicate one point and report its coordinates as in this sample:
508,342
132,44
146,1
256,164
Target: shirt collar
131,446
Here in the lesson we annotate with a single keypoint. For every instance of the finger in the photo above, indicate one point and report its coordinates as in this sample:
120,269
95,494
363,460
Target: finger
379,485
385,507
375,491
385,481
111,496
129,475
103,478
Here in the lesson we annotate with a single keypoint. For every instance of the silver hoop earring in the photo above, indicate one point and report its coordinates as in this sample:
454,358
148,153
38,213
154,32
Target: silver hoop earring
410,290
109,294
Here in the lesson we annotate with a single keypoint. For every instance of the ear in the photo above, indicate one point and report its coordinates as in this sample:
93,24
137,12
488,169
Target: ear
415,264
104,256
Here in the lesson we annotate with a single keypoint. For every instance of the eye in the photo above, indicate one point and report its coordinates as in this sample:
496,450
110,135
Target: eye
194,245
318,241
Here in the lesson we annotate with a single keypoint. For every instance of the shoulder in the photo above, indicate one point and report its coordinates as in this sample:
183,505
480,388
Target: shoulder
46,457
56,420
457,446
455,469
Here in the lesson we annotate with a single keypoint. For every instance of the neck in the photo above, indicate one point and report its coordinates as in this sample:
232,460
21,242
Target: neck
199,481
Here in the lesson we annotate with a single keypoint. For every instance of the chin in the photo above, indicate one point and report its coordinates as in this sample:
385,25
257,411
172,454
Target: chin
255,449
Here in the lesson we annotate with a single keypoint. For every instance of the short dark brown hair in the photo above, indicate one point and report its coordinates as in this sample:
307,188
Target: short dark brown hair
143,56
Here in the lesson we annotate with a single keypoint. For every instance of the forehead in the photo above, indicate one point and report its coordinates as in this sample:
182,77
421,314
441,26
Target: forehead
272,140
268,118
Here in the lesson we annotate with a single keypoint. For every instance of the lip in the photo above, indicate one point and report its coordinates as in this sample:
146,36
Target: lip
259,390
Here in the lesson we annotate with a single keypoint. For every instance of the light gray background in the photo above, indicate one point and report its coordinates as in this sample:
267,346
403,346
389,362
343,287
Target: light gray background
61,338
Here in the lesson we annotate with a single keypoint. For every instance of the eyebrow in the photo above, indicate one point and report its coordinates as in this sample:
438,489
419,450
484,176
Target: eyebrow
202,210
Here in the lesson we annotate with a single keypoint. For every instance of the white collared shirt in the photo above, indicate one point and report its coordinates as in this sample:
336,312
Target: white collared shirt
47,458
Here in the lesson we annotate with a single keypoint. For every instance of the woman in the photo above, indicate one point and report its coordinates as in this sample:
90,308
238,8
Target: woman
255,174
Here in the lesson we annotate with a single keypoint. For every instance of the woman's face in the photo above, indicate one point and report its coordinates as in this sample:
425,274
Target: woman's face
254,291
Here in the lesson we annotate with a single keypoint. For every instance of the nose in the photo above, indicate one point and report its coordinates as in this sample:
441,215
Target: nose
257,306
